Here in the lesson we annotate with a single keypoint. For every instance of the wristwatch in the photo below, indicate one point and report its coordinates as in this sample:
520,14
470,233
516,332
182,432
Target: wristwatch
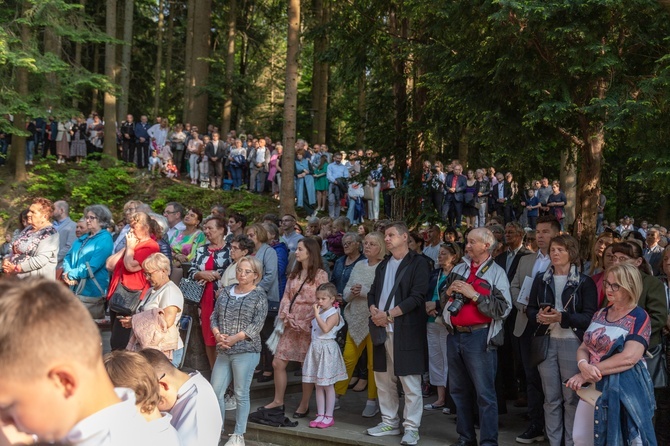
389,317
476,297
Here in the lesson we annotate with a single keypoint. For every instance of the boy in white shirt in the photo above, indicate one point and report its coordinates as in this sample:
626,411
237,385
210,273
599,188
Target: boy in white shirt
54,385
190,400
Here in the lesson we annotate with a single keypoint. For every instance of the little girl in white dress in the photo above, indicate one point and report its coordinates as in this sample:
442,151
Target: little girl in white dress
323,364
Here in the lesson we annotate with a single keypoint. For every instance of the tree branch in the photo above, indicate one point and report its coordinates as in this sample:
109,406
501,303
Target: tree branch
572,138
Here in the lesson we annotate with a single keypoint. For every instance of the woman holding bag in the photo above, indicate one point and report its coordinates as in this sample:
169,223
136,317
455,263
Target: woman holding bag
84,266
127,272
296,312
209,264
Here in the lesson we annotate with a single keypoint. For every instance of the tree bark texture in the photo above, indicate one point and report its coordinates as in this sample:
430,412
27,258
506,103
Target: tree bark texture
463,146
290,108
172,10
591,160
159,57
398,26
569,181
420,96
53,45
126,58
200,65
230,69
18,153
188,62
95,93
109,147
77,55
320,74
362,110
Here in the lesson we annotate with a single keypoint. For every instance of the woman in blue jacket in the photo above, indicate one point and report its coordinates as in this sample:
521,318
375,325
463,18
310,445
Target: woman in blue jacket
84,265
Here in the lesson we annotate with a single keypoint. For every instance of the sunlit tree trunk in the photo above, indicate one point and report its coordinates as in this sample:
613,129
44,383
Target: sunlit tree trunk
290,108
109,147
320,73
362,110
126,58
569,181
18,154
53,45
95,93
188,62
172,10
230,69
159,57
200,63
77,55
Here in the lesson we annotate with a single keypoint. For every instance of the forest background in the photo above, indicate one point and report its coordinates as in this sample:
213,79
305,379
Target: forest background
572,90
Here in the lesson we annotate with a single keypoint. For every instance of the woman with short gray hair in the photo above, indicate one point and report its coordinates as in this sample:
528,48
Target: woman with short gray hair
84,265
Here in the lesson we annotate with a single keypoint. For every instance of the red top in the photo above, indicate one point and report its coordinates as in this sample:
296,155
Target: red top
136,280
469,314
454,180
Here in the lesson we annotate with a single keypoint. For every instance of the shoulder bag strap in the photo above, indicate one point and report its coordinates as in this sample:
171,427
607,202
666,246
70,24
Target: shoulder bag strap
398,277
296,295
92,277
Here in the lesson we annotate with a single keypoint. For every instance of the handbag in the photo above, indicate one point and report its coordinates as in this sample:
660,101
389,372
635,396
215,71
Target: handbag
539,346
377,333
94,305
125,301
191,290
468,197
368,192
278,331
589,394
656,365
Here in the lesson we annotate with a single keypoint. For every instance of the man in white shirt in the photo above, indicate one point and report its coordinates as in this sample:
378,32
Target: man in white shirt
529,267
190,399
159,132
54,384
335,171
432,248
65,228
174,213
400,309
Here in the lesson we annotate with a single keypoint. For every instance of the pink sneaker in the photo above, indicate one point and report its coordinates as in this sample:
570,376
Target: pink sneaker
325,423
316,421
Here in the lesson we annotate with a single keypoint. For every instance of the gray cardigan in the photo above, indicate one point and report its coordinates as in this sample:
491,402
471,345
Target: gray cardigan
270,282
246,313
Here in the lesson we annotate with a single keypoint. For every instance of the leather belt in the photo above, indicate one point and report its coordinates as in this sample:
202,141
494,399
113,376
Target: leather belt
470,328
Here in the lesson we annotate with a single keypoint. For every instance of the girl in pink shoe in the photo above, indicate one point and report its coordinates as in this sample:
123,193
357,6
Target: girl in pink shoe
324,365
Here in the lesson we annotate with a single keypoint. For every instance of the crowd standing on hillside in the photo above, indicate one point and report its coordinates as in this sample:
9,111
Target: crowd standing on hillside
503,309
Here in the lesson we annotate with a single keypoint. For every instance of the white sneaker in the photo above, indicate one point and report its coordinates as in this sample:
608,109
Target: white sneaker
371,409
411,437
383,429
230,402
237,440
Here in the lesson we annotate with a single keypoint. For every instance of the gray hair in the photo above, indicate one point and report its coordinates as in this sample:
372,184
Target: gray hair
102,212
353,236
161,221
485,236
177,208
61,204
157,261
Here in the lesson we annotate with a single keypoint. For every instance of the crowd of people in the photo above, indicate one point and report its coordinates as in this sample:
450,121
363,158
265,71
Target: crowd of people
499,312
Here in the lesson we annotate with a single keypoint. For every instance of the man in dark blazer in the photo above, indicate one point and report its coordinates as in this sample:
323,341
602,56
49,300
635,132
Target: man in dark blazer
502,198
510,371
403,315
454,187
653,253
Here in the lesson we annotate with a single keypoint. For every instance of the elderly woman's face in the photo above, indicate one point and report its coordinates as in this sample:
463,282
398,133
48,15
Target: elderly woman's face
191,219
212,231
36,216
235,252
350,245
156,277
92,222
245,275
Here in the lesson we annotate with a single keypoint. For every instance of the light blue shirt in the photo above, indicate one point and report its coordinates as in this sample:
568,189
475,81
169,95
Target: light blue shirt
335,171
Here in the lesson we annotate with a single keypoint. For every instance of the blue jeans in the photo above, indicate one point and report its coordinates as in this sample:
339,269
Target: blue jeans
176,357
240,369
472,375
30,150
236,172
3,151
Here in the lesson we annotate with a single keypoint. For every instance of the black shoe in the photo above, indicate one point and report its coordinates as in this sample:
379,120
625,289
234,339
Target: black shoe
262,408
464,443
533,433
297,414
265,378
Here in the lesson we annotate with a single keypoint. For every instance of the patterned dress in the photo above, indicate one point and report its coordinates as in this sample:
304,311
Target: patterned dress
294,343
324,364
187,244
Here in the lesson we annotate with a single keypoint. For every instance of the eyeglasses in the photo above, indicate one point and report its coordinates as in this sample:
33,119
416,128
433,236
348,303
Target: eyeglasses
287,220
234,248
245,272
169,213
347,244
91,217
130,210
149,273
612,286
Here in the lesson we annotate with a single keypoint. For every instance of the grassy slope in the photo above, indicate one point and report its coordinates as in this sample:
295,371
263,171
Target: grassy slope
90,184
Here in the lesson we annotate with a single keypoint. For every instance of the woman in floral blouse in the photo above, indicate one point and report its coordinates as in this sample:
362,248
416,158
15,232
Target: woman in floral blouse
297,311
209,264
185,243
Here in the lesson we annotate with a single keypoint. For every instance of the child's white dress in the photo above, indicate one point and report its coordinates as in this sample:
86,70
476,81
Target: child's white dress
323,363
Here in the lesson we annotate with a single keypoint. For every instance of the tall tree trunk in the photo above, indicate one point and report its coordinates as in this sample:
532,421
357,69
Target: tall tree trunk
317,67
230,69
569,181
168,56
398,27
126,58
53,45
464,146
95,93
188,62
18,153
77,51
109,147
159,58
322,100
290,108
418,149
362,110
200,64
